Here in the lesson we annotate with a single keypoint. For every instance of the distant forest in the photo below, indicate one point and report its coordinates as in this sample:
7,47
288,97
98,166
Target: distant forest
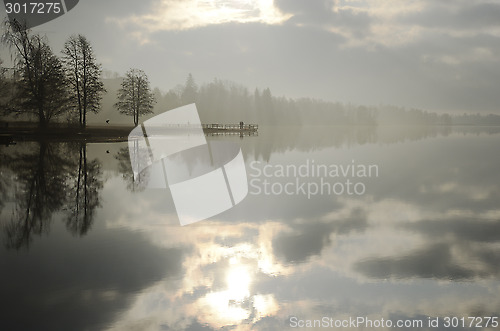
228,102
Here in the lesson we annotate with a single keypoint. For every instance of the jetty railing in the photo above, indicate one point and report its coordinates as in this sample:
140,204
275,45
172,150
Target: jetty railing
247,127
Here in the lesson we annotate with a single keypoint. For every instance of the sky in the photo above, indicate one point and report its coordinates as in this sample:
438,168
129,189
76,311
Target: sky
437,55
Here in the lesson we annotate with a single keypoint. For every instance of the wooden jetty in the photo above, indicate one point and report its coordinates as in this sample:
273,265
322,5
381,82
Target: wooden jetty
231,127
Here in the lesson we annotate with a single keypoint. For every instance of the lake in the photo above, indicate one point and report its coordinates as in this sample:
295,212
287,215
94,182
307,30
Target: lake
348,228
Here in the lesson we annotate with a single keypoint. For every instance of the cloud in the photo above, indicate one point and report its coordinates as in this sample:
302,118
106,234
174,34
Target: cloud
433,262
394,23
456,15
309,239
64,281
469,230
451,245
175,15
308,10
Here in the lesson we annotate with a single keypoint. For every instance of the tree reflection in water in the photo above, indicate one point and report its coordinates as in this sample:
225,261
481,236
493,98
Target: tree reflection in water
84,193
51,177
125,169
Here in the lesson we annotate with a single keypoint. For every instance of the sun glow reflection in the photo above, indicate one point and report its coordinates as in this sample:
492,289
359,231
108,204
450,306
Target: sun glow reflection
238,282
231,305
219,286
236,303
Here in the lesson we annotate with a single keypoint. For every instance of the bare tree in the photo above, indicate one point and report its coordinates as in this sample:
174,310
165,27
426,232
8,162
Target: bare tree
84,75
42,89
135,97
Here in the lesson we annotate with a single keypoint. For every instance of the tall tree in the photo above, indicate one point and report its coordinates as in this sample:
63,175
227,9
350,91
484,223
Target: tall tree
84,75
135,97
190,90
171,100
42,89
267,105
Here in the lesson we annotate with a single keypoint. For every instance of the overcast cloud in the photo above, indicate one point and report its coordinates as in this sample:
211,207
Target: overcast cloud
435,55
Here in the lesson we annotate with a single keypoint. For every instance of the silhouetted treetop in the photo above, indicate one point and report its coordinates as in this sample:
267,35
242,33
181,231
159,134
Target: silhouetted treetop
41,91
135,97
188,95
84,76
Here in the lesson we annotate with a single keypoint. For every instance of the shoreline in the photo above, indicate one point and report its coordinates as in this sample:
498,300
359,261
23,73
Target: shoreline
109,133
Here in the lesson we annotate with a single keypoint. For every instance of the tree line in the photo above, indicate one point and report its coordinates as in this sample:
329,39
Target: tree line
230,102
45,87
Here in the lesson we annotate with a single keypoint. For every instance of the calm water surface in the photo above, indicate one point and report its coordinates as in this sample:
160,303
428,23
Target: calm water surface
84,248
